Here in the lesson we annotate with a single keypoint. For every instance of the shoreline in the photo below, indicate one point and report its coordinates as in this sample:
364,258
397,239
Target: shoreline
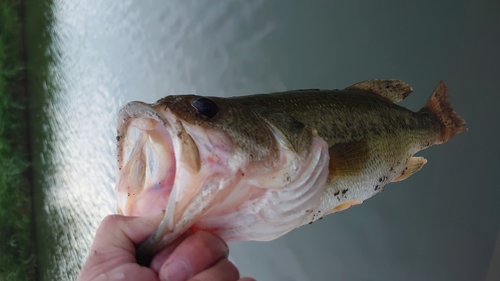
24,82
18,255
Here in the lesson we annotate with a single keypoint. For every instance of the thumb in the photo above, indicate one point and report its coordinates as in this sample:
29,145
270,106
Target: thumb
113,250
117,232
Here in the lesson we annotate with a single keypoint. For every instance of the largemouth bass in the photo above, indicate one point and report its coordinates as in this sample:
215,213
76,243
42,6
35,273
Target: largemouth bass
256,167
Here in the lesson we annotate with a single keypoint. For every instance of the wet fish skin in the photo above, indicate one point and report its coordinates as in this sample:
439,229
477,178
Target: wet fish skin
369,141
378,135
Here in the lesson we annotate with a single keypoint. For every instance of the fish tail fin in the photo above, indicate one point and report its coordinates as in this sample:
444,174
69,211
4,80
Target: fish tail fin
439,106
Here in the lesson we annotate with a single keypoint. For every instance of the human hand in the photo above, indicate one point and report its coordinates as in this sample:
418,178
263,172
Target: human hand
193,256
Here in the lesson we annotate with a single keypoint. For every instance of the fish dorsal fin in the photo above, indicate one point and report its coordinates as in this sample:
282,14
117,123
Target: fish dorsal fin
391,89
348,159
413,165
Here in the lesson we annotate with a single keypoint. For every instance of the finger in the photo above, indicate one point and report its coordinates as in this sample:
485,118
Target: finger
133,230
223,270
116,238
196,253
113,247
163,255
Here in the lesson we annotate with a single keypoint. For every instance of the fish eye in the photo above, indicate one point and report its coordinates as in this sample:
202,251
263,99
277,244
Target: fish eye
205,107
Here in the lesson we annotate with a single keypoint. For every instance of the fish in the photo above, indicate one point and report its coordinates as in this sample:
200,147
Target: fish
256,167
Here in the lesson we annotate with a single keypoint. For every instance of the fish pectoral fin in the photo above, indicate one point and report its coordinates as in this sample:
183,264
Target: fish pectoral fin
391,89
347,159
291,132
413,165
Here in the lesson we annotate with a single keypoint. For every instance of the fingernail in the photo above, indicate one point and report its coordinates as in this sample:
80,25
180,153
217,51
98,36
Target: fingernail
176,270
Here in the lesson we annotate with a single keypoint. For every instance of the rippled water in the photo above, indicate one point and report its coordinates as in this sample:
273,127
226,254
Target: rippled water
88,58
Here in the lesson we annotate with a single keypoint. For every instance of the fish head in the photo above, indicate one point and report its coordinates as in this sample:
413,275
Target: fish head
180,155
183,140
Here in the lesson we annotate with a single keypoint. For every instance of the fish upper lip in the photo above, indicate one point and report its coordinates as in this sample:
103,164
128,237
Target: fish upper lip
126,115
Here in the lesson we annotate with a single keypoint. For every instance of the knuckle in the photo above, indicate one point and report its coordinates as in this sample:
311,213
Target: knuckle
109,221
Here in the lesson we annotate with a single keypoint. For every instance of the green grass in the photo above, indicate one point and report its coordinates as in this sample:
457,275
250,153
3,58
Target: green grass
17,260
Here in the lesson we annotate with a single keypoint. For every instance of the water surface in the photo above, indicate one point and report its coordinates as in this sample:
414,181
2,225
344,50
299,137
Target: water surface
88,58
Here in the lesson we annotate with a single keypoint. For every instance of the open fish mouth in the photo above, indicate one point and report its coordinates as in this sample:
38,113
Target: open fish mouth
146,160
159,169
158,161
